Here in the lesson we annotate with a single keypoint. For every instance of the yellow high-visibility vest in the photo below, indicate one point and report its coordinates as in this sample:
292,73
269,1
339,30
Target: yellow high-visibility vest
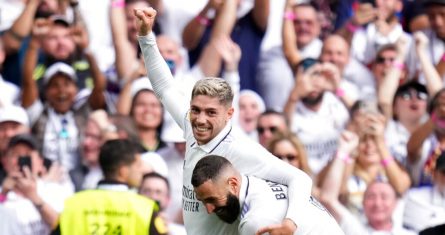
104,212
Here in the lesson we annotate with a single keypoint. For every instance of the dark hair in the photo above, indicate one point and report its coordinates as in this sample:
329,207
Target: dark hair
208,168
116,153
274,112
155,175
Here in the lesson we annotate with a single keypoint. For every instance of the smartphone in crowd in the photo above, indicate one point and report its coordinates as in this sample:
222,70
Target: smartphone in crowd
25,161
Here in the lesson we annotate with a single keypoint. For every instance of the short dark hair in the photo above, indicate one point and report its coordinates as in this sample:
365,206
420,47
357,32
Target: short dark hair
434,103
269,112
116,153
208,168
156,175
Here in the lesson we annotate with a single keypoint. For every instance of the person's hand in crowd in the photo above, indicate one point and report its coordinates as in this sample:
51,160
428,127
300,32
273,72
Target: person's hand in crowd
383,27
56,173
332,75
215,4
9,182
80,37
26,184
40,29
229,51
402,47
421,41
375,125
303,80
145,20
348,142
109,131
364,14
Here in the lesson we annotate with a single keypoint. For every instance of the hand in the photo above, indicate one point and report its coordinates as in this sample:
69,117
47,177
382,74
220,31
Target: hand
80,37
287,227
27,184
215,4
402,46
40,28
229,51
10,182
332,75
348,142
145,20
365,13
375,125
303,84
421,40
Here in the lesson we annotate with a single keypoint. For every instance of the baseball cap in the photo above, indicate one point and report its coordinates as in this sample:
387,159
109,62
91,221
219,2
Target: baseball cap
59,68
12,113
60,20
440,162
27,139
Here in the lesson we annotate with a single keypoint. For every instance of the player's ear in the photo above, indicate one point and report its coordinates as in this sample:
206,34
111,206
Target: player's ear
233,183
230,112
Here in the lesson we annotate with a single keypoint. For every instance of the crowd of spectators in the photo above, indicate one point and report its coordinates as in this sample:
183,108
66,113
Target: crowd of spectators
349,91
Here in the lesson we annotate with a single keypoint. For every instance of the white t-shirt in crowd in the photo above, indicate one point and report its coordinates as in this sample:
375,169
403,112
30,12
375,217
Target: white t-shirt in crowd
362,79
264,203
9,224
319,131
10,93
246,155
424,208
93,177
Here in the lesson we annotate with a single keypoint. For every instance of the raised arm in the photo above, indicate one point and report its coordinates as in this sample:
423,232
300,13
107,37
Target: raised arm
289,36
126,57
30,91
332,182
388,87
159,74
21,27
261,13
433,80
415,141
365,14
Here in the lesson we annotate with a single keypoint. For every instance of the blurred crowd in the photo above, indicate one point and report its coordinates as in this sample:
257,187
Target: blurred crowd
349,91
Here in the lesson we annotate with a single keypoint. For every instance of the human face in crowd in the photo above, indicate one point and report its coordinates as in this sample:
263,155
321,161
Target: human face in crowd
368,154
306,25
379,203
132,32
286,151
61,92
436,16
147,110
411,105
439,111
58,43
134,172
249,112
218,198
336,51
10,160
155,189
9,129
383,62
268,126
388,8
208,117
48,7
91,143
169,49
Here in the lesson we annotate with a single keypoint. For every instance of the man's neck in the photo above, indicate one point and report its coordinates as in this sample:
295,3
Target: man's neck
381,225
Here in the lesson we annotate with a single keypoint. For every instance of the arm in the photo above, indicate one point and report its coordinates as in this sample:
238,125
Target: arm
388,87
433,80
290,48
415,142
125,52
440,67
364,15
160,77
261,13
97,98
194,30
30,92
332,183
20,28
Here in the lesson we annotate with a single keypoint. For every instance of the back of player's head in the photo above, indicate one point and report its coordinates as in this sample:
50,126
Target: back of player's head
209,168
115,154
214,87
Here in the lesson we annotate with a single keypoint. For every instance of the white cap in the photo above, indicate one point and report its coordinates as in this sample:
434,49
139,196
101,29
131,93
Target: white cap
12,113
59,67
139,85
156,162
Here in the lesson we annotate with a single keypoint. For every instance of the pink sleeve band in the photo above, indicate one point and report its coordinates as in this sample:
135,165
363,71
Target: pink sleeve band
351,27
386,161
203,20
398,65
118,4
339,92
344,157
289,15
443,57
2,198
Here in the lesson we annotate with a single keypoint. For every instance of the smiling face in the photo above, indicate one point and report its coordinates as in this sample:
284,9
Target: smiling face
147,110
306,25
61,92
249,111
208,117
92,140
379,202
368,153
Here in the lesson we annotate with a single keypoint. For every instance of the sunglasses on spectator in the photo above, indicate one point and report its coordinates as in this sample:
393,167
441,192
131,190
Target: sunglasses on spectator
381,59
289,157
272,129
409,95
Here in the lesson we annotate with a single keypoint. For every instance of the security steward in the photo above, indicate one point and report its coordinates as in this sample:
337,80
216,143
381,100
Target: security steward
112,208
